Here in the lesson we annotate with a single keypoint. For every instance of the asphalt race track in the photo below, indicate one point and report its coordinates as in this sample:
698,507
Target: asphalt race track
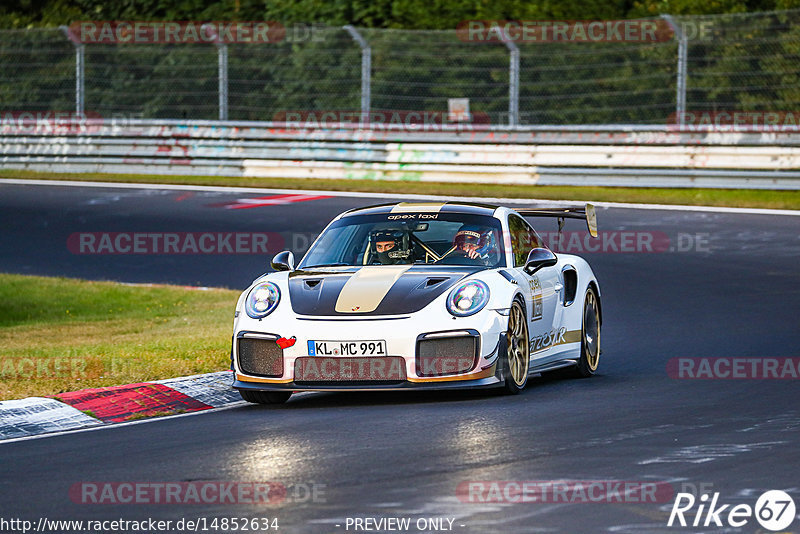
735,294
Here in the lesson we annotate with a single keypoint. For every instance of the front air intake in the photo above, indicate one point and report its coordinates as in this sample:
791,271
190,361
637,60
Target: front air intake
260,357
443,356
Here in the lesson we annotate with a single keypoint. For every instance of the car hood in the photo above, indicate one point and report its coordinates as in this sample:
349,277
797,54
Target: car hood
371,290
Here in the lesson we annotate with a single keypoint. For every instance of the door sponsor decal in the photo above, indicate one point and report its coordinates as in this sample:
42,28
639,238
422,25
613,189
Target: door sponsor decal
536,294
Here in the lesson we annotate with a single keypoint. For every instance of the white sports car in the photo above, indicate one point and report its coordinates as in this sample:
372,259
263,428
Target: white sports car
418,295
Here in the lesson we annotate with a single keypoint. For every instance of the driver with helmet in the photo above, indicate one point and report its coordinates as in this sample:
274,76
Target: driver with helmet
391,246
476,243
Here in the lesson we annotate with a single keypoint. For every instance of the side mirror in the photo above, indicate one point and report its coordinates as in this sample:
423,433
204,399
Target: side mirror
538,258
283,261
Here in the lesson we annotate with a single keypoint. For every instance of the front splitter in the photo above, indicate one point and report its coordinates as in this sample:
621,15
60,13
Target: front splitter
404,385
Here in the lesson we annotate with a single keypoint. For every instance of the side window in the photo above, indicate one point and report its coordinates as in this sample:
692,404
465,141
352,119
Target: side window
523,239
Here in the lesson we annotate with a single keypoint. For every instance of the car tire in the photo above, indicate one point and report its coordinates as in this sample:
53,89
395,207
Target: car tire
265,397
590,336
517,357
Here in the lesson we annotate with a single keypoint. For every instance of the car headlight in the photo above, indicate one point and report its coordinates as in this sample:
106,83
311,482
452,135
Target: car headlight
468,298
262,299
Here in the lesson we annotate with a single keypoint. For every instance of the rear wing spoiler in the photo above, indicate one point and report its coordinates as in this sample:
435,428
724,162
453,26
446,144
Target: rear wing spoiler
587,212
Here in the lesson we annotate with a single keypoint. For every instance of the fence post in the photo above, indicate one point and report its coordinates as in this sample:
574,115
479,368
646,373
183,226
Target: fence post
513,83
222,71
222,60
80,61
366,72
683,54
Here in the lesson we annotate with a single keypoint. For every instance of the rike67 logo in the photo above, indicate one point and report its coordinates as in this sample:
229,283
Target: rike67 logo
774,510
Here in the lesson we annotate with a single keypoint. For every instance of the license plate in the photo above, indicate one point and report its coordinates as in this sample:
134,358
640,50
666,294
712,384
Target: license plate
347,348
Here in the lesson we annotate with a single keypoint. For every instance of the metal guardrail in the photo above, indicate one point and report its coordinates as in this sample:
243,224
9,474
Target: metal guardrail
617,134
613,155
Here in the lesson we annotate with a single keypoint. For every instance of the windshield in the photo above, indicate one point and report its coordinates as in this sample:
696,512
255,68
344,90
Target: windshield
407,238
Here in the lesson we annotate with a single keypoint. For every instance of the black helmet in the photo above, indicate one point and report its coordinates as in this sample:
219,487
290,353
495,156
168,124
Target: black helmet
398,252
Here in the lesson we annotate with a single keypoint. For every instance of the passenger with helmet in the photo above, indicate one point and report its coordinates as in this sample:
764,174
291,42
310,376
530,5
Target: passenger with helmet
475,243
391,246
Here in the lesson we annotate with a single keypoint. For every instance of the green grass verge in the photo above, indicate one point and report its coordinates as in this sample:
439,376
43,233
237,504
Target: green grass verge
740,198
59,334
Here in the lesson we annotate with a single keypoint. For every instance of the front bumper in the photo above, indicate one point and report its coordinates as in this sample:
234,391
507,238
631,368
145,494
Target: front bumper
401,335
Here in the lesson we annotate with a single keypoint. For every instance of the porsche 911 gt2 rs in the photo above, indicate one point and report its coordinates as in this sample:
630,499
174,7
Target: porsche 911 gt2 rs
419,295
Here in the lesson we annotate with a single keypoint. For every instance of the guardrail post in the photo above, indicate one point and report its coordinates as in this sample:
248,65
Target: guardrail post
80,61
222,60
513,83
683,54
366,72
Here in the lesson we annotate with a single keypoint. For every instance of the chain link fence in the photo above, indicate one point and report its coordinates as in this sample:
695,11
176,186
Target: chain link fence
746,62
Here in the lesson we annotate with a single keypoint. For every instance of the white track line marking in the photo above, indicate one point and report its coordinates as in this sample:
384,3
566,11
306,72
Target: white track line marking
394,196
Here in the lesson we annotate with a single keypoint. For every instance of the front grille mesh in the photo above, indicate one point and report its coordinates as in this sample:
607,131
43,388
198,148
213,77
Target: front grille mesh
261,357
446,356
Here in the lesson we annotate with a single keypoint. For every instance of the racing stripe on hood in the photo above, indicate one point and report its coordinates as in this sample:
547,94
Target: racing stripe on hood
417,207
365,290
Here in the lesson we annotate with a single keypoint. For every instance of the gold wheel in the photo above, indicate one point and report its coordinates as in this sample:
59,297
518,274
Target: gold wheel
591,331
518,353
590,336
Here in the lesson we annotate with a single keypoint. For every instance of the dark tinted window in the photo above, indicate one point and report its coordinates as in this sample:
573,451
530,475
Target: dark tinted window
523,239
419,238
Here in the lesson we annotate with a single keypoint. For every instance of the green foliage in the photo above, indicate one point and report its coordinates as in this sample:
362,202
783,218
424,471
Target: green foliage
38,69
747,63
740,62
406,14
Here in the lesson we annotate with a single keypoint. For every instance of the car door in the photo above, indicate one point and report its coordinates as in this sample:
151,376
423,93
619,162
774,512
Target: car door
542,289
